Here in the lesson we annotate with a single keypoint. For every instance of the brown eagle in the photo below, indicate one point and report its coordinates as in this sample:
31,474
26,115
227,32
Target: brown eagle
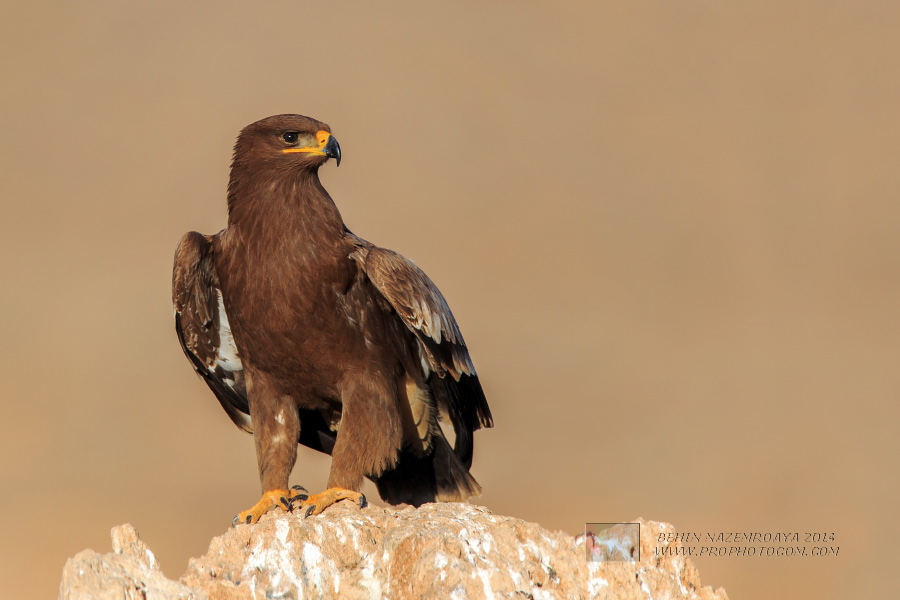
308,334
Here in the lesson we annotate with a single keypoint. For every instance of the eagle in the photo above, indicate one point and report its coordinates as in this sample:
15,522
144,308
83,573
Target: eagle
307,334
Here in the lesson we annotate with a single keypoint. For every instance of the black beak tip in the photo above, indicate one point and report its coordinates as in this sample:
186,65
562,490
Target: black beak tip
333,150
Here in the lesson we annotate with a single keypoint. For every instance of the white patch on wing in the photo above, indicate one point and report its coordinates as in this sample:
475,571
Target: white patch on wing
446,426
228,357
436,327
425,368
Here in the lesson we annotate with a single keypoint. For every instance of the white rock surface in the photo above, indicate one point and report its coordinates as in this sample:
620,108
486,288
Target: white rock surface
447,550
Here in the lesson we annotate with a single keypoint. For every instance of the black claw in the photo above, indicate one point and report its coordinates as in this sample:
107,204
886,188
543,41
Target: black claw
300,497
249,518
362,501
309,510
286,503
300,488
234,521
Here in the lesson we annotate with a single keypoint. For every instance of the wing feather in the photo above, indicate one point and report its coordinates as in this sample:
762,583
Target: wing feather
425,312
203,329
423,309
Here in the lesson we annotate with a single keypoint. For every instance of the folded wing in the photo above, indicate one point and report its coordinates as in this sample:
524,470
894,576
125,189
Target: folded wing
446,363
202,326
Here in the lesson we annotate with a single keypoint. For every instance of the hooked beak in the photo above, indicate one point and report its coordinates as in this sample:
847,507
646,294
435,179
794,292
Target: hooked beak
333,150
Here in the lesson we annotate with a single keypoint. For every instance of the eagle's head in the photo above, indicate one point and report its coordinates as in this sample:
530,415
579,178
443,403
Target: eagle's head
286,142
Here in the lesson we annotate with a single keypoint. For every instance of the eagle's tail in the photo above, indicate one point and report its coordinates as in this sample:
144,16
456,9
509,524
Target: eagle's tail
437,477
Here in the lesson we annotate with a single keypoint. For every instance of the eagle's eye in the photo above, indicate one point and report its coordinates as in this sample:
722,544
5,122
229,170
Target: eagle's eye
290,137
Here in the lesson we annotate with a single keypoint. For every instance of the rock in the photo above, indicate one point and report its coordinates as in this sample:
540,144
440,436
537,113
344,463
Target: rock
437,551
130,571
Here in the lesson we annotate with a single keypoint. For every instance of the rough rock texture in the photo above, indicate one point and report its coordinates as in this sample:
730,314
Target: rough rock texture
438,551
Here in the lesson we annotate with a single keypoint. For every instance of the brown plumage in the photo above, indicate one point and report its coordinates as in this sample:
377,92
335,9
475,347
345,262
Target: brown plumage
306,333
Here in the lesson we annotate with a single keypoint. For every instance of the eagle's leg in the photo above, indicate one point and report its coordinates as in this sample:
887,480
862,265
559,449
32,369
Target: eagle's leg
367,442
276,429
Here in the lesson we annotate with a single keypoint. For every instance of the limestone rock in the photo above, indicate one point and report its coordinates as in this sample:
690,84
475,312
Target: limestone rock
130,571
447,550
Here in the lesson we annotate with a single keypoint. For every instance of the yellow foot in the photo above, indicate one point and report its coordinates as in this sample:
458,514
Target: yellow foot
271,499
316,503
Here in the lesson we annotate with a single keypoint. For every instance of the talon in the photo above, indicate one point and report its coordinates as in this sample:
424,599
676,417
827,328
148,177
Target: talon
300,493
234,521
270,499
315,504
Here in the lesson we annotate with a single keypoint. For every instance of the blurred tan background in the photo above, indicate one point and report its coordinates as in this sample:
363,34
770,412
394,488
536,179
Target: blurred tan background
669,231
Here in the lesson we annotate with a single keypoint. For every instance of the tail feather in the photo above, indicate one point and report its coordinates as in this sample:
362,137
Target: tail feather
437,477
466,409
